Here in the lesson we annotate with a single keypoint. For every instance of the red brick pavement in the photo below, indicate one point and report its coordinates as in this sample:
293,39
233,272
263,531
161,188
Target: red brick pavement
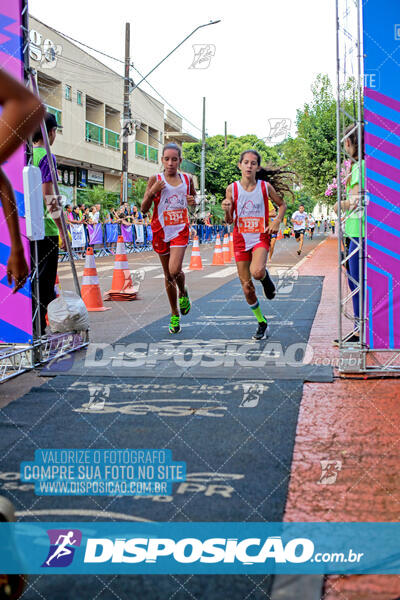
351,421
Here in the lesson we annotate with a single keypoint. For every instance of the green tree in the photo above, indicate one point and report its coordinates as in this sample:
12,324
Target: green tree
300,197
221,162
98,195
312,153
138,191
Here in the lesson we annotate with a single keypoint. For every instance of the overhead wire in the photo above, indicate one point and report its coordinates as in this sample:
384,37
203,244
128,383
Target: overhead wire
118,103
131,65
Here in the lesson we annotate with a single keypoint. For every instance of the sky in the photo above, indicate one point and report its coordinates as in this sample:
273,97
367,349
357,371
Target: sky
262,57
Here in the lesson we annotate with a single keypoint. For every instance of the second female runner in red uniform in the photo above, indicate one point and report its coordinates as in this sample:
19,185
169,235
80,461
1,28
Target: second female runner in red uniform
171,192
247,206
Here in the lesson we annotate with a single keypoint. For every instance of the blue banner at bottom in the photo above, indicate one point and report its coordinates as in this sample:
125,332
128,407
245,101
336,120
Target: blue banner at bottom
199,548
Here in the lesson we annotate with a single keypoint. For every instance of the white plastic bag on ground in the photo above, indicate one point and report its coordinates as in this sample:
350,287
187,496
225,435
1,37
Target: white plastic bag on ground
68,313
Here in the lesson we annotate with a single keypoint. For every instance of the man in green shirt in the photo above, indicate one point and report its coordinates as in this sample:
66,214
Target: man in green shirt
48,247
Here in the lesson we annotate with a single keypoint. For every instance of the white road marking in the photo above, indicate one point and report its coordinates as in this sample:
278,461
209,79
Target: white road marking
80,273
223,272
107,268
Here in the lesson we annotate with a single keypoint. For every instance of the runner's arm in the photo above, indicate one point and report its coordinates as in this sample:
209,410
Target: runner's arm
17,268
22,113
192,193
227,205
152,189
281,204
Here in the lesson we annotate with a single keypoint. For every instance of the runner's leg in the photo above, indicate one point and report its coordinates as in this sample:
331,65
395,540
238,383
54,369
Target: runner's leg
175,268
301,240
258,262
243,268
170,285
258,271
272,247
176,256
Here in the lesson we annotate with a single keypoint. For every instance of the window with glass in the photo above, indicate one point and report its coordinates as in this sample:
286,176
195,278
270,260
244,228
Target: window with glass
79,97
68,92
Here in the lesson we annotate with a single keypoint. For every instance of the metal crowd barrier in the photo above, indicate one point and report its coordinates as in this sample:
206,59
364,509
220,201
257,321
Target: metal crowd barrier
104,243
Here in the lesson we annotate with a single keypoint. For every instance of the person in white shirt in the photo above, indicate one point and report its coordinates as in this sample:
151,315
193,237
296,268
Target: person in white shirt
311,225
299,220
96,213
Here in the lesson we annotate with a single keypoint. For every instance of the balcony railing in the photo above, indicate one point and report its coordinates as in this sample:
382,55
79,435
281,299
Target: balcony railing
153,154
94,133
56,112
141,150
112,139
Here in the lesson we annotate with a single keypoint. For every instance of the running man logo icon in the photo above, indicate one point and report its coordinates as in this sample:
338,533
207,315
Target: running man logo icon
203,54
330,470
98,396
251,394
63,543
286,281
279,130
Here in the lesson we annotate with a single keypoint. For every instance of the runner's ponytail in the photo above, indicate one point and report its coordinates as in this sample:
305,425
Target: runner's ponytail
280,178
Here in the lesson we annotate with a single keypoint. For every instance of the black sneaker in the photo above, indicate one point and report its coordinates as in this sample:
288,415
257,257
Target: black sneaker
268,286
299,252
184,303
262,331
350,339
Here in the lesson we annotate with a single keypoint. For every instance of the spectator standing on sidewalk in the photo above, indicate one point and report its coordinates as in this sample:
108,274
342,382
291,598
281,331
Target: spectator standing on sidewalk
77,215
136,214
352,225
96,213
48,247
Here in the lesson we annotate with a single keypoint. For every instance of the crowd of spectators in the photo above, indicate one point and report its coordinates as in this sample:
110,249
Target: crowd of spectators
125,214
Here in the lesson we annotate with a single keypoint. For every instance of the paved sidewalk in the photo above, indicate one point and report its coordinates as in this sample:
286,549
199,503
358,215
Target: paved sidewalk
355,423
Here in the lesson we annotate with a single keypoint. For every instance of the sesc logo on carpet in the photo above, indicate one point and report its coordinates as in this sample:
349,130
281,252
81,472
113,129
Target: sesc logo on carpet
62,547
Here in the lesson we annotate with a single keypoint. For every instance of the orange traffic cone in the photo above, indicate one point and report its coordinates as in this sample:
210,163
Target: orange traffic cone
226,253
218,259
122,288
195,259
280,235
231,245
90,289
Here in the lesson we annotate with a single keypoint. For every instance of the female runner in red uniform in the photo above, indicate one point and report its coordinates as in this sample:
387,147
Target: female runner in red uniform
171,193
246,205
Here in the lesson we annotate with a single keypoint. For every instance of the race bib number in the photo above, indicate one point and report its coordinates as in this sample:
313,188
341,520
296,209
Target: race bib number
175,217
251,225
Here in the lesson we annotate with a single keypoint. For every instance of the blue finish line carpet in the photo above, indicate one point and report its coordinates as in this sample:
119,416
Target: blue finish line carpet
234,427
